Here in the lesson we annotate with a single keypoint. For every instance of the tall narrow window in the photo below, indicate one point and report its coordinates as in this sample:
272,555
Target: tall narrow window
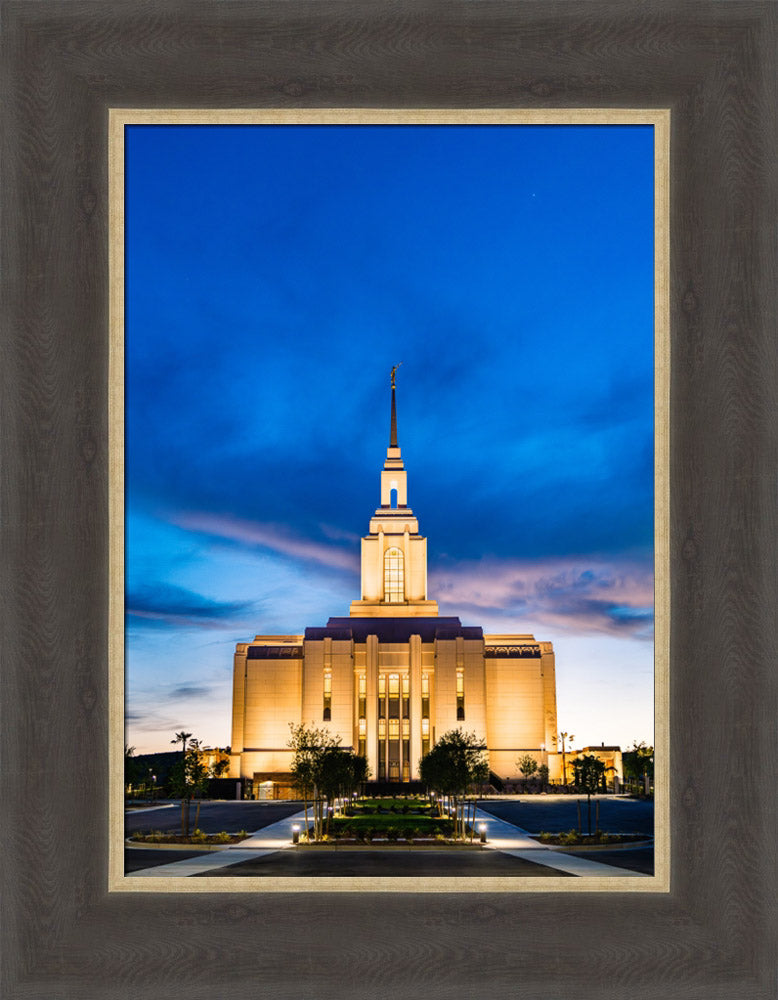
394,577
327,714
394,749
362,696
460,694
425,736
394,696
361,714
382,750
382,695
425,696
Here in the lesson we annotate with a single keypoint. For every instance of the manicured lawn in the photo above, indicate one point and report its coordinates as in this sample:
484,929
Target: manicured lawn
417,825
392,806
391,818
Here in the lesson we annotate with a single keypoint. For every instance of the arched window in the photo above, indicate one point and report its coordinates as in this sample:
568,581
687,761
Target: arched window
394,579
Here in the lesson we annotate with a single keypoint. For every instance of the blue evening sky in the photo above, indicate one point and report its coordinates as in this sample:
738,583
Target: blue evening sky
274,276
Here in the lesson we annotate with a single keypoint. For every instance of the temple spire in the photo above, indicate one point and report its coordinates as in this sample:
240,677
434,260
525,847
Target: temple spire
393,430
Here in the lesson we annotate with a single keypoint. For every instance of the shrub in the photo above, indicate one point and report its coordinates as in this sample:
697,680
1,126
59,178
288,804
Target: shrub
222,837
199,836
545,837
571,837
392,832
243,834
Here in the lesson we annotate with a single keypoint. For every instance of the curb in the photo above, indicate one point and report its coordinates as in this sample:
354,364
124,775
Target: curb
587,848
176,847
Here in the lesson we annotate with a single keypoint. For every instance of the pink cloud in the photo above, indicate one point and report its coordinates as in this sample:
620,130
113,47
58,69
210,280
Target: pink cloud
580,595
269,536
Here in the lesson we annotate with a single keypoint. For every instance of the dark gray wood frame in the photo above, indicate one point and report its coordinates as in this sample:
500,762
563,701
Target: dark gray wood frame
714,64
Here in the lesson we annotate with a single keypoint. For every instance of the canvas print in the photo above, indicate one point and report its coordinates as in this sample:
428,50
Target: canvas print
389,502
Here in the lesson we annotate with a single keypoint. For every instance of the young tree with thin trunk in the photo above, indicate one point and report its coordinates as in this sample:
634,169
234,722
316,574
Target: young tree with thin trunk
453,766
323,771
179,782
528,766
588,775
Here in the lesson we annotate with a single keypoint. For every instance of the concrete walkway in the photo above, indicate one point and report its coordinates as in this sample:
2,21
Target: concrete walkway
509,839
269,839
274,837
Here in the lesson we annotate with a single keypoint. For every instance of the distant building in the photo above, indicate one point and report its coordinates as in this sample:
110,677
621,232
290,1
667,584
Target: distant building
394,675
611,758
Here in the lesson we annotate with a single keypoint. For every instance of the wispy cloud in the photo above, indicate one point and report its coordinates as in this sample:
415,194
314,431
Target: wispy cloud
163,604
610,597
159,710
270,536
190,691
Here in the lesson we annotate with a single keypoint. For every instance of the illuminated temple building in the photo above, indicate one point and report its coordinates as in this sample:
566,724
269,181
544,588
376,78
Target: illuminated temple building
394,674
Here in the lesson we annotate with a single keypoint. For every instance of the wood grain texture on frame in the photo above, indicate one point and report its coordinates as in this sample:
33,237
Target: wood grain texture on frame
714,66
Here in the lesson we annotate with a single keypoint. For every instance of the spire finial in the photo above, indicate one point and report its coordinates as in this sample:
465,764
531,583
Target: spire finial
393,431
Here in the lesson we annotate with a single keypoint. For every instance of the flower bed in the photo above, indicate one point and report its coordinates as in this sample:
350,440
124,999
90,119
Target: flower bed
197,838
572,838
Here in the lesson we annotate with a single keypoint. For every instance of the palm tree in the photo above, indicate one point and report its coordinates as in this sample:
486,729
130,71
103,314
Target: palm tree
563,737
182,737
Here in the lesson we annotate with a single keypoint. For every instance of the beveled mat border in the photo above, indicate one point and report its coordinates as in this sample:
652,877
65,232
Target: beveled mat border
660,119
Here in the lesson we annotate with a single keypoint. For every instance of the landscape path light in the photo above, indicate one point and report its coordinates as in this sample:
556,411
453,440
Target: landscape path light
295,833
482,831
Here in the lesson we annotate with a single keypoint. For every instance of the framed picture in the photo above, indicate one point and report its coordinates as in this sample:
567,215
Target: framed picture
68,933
513,242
